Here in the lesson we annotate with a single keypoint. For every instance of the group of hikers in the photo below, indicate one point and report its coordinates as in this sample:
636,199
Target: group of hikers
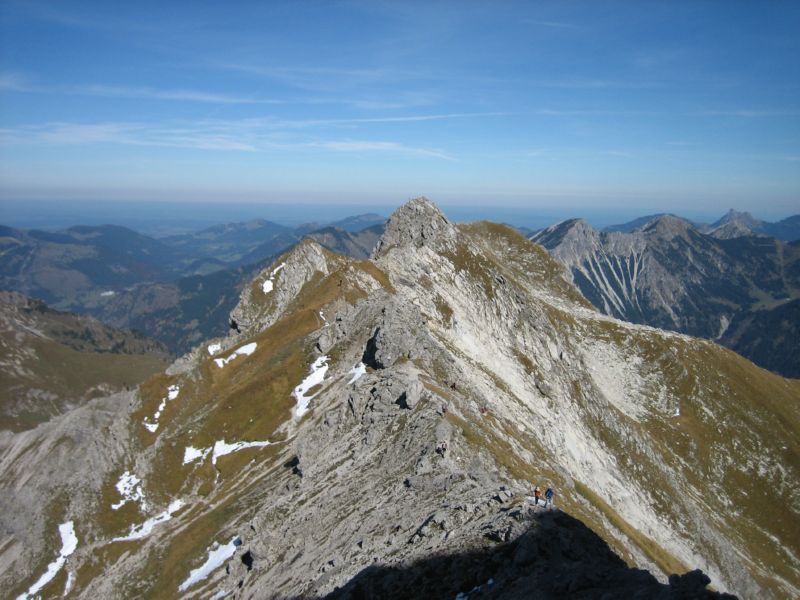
548,496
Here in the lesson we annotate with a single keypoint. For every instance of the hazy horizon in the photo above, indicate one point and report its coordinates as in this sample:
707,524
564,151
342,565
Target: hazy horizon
166,218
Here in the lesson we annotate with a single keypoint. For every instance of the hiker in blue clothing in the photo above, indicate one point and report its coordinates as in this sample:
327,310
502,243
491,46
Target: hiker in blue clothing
548,497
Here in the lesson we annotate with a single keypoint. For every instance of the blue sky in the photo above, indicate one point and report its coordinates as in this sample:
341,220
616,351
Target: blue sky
687,107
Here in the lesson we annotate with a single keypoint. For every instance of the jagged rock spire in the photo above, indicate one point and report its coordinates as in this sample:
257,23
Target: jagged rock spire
419,222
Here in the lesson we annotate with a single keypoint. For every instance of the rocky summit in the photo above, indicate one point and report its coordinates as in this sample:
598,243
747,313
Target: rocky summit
375,429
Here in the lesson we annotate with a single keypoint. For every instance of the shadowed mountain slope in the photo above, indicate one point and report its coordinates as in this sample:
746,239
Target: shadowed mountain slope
557,556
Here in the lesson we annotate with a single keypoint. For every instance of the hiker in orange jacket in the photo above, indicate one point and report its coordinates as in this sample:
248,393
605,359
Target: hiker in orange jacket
537,493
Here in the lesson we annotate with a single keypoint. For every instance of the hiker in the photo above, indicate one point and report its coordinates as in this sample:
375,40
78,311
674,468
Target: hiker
537,493
441,448
235,325
548,497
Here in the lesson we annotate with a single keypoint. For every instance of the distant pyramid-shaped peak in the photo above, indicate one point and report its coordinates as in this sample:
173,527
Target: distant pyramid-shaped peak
740,218
667,226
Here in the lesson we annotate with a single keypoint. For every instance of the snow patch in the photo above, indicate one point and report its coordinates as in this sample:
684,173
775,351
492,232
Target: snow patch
317,376
70,582
724,323
245,350
129,487
214,348
357,371
172,393
268,284
221,448
108,294
217,555
138,532
191,454
69,541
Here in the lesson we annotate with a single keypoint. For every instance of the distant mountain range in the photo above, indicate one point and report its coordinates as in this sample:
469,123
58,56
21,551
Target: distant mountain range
723,282
728,280
732,224
177,289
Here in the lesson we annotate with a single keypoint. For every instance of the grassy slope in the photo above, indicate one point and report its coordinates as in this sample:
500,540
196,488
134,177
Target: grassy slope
750,404
69,376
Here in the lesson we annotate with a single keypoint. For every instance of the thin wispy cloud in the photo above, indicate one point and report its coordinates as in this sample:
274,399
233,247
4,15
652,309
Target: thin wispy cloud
404,119
126,134
55,14
592,84
552,24
748,113
165,94
323,79
370,146
12,82
293,73
242,136
275,123
574,152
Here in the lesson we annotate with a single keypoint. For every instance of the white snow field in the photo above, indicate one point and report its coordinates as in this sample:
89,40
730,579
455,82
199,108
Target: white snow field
268,286
191,454
220,448
357,371
172,393
217,555
317,376
245,350
69,541
129,487
138,532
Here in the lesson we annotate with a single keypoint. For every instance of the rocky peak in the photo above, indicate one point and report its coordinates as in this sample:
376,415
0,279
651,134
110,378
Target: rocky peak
572,238
741,218
730,230
418,222
265,299
735,224
667,227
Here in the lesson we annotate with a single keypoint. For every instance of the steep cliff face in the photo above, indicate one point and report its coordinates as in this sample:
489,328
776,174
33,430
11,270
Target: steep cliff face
670,275
377,425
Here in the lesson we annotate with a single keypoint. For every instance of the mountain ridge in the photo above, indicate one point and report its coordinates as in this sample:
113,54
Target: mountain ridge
381,412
